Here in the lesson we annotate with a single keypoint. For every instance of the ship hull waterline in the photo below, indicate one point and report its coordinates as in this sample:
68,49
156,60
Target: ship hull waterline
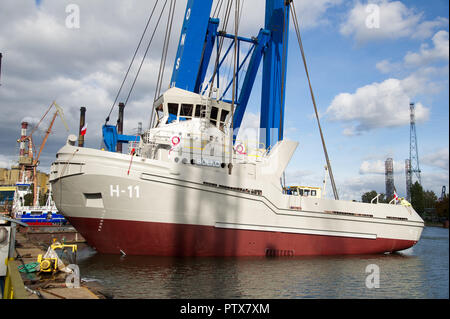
163,239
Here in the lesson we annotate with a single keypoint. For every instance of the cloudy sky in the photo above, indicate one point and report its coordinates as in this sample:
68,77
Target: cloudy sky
367,62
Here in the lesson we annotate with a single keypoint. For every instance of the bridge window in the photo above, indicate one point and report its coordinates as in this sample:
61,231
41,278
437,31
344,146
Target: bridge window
173,108
160,112
313,192
173,112
223,115
214,113
186,110
200,110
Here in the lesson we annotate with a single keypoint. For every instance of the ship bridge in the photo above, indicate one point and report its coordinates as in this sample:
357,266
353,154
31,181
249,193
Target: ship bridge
177,105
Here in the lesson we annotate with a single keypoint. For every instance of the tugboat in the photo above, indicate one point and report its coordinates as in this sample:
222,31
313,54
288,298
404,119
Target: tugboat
188,187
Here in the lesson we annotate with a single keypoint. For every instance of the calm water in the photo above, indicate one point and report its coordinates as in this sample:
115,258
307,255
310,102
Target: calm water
419,272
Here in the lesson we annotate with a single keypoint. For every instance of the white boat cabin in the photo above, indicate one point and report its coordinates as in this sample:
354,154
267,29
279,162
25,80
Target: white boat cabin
177,105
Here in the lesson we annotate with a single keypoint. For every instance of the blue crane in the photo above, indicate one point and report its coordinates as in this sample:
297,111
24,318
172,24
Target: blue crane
270,45
193,58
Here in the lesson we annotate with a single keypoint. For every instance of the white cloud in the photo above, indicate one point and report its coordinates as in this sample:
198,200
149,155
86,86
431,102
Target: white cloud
439,51
439,159
378,167
378,105
426,28
395,20
386,66
312,13
353,188
7,161
301,177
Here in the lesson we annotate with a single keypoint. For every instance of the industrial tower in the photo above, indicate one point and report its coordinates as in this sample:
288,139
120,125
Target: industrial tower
389,174
412,164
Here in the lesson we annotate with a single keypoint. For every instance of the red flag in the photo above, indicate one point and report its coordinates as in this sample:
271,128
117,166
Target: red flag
83,130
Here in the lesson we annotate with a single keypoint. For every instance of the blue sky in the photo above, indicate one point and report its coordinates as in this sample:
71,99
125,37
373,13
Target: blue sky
363,79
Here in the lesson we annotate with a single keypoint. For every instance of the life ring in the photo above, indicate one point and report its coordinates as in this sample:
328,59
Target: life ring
240,149
175,140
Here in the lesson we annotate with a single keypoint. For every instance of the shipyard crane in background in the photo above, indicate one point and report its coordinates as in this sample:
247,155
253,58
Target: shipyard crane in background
28,162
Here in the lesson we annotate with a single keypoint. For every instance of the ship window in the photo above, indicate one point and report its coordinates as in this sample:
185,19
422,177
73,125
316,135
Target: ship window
306,192
186,109
223,115
199,109
214,113
173,108
313,193
160,112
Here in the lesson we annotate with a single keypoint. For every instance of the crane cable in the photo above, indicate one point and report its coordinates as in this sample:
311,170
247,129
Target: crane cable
216,64
163,57
218,9
297,30
283,72
236,27
146,51
165,48
132,61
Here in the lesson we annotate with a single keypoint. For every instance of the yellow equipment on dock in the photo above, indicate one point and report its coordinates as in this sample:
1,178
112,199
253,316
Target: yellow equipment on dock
50,263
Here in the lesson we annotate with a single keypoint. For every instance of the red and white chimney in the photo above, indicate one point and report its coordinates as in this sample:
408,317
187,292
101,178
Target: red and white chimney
22,138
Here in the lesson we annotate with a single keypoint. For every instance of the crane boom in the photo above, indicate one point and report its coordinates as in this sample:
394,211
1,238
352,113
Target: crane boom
59,112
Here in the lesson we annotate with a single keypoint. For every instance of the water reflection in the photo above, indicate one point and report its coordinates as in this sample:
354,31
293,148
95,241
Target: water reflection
419,272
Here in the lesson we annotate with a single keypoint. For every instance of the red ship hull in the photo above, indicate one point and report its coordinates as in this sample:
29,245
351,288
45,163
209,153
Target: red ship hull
163,239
